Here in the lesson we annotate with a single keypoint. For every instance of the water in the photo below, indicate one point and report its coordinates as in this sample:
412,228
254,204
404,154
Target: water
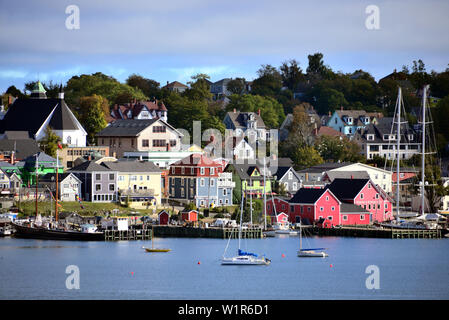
409,269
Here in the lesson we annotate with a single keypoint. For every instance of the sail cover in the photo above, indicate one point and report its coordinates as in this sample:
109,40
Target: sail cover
243,253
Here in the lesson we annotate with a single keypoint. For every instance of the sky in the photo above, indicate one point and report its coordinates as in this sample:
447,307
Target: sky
173,40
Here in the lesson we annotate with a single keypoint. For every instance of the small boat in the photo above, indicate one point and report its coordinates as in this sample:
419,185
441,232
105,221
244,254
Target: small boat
315,252
284,229
4,232
269,233
153,249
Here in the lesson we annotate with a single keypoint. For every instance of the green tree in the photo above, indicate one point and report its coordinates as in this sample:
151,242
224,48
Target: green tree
149,87
199,88
291,74
49,144
237,86
305,157
92,110
269,82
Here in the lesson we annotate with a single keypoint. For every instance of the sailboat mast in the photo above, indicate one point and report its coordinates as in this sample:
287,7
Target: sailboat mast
241,218
37,167
300,233
398,149
424,98
251,205
264,198
56,195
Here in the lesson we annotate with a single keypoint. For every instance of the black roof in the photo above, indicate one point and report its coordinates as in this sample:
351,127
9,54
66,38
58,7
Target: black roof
126,127
307,195
30,114
347,188
23,148
89,166
50,177
351,208
132,166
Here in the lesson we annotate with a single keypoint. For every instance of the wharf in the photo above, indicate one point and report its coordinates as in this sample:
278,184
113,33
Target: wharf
140,234
193,232
379,233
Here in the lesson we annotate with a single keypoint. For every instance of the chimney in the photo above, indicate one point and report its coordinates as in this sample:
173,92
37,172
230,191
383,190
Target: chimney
10,100
12,157
235,110
258,112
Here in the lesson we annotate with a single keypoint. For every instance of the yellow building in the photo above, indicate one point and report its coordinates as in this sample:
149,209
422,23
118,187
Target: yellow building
138,184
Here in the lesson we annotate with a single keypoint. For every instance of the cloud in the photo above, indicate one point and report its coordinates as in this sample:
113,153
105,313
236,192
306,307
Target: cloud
12,74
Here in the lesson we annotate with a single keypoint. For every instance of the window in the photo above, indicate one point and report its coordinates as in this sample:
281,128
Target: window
345,218
212,182
212,171
327,198
173,170
329,218
362,217
121,178
308,209
159,129
111,187
182,192
133,178
98,187
98,176
333,208
295,186
182,182
377,196
202,171
172,143
145,143
361,196
290,175
111,176
224,192
321,209
182,170
192,171
386,205
148,178
159,143
202,182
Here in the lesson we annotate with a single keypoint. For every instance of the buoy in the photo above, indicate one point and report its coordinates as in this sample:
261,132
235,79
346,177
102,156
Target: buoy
331,266
283,255
132,273
199,262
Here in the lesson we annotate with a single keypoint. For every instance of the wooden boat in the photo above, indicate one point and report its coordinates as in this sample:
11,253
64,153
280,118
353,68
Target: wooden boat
35,232
156,250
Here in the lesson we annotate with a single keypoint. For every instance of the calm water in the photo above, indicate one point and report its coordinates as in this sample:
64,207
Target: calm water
409,269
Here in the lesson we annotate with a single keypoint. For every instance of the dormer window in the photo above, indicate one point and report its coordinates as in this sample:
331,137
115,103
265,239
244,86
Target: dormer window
410,137
386,137
349,120
370,137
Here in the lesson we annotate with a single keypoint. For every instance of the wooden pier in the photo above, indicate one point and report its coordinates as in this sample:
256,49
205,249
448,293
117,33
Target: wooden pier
379,233
114,235
195,232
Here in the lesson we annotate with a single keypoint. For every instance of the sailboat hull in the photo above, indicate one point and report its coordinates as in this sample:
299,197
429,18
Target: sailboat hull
245,261
312,254
47,234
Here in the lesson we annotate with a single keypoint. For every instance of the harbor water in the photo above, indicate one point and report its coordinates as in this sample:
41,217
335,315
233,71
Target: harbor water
406,269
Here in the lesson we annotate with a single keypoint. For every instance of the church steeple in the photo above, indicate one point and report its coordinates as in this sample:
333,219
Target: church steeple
38,91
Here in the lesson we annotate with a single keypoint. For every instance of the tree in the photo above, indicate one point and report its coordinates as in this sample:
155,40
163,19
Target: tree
237,86
52,89
291,74
92,110
269,82
199,88
306,156
148,86
49,144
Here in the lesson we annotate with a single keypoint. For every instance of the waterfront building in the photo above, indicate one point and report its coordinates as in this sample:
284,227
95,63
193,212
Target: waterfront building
99,183
69,185
139,183
289,178
189,216
163,217
27,168
366,194
201,180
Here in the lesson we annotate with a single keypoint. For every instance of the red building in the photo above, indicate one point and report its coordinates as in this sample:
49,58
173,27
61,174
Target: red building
163,217
280,218
364,193
190,216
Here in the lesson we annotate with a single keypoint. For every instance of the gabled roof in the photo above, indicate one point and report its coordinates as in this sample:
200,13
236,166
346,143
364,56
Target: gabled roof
307,195
50,177
89,166
332,175
325,166
352,208
42,158
126,128
197,160
347,188
30,114
132,166
175,84
239,119
23,148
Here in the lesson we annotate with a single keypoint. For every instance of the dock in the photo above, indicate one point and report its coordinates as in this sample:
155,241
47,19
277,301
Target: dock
114,235
195,232
379,233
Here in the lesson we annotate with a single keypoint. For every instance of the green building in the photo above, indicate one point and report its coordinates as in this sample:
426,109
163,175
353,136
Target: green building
45,164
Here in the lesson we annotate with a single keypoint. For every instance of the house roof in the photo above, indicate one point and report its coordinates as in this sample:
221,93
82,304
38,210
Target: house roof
197,160
352,208
347,188
50,177
307,195
385,126
175,84
23,148
126,128
239,119
89,166
328,131
30,114
245,169
41,157
332,175
325,166
132,166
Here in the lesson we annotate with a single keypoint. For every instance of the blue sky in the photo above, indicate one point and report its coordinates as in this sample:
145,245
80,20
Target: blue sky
173,40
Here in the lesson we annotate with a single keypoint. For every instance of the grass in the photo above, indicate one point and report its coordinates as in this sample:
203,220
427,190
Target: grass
28,208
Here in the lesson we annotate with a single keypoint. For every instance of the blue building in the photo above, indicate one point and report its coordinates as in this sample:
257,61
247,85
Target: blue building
350,121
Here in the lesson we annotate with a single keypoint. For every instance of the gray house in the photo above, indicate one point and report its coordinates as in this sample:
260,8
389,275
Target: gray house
99,184
289,178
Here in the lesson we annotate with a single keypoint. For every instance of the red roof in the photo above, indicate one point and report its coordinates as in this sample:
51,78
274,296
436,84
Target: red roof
197,160
328,131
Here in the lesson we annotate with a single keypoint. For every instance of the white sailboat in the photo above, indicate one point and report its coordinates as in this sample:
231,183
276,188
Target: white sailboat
315,252
242,257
